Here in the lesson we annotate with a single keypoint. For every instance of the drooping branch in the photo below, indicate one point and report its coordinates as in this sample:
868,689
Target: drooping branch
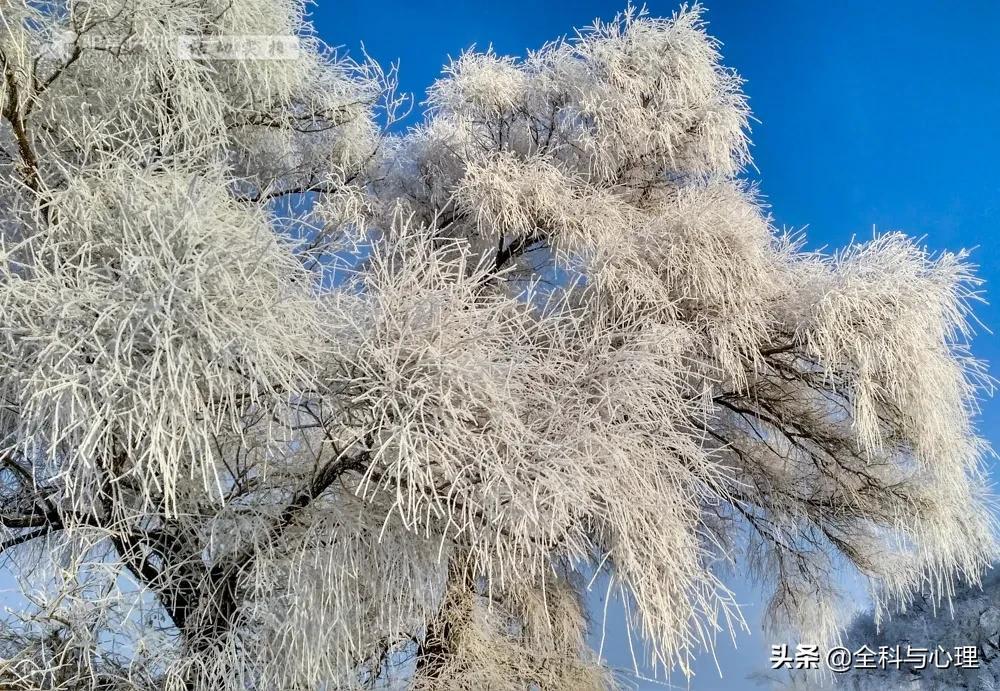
515,248
15,117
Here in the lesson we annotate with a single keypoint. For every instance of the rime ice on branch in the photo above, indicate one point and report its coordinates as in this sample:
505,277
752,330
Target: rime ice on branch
289,401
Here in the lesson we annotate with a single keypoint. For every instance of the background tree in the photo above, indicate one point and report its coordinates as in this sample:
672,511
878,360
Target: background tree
971,619
953,645
288,402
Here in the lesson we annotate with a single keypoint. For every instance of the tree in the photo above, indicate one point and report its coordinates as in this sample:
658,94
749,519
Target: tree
290,401
964,635
955,645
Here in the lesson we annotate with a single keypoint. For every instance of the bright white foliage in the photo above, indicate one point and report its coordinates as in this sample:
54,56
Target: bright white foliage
546,333
153,309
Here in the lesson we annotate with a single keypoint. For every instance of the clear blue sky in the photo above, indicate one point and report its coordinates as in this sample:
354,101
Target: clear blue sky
882,114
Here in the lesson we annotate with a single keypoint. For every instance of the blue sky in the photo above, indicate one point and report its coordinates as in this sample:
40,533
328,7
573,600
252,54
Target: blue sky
872,114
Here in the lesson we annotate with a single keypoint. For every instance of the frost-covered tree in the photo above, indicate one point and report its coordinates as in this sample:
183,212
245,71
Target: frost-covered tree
970,620
926,647
292,403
